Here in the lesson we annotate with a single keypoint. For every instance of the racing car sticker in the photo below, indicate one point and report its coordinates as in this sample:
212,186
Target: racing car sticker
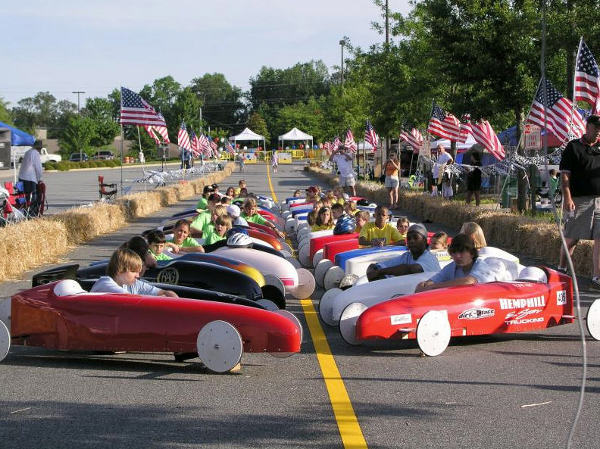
168,276
477,314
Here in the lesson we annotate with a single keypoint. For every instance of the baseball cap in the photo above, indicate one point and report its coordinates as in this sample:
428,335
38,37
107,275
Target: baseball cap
233,211
419,229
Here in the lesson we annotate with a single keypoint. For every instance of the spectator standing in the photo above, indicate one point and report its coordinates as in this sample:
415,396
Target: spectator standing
580,182
343,160
392,178
474,180
30,173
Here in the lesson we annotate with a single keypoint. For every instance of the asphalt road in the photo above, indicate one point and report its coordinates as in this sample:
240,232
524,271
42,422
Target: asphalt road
506,391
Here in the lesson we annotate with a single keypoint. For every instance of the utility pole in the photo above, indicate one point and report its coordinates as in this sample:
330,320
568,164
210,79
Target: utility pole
79,92
387,23
342,43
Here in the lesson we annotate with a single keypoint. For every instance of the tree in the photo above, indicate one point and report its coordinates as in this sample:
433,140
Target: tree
77,136
4,113
308,116
101,112
257,124
221,102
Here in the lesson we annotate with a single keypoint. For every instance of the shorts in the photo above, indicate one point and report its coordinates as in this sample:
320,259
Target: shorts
585,225
347,181
391,182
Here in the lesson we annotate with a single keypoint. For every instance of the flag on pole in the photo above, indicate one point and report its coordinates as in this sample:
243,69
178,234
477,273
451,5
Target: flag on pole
194,144
183,138
203,145
135,110
350,144
413,138
228,147
149,130
465,127
371,136
327,147
484,134
213,146
443,125
587,78
162,129
336,144
564,121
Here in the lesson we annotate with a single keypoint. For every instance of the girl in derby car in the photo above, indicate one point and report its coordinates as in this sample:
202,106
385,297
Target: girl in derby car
324,220
181,240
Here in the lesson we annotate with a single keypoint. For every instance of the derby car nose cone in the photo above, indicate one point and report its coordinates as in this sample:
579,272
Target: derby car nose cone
294,318
306,284
4,341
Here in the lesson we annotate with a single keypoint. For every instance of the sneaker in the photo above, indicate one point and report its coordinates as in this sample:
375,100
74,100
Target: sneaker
596,282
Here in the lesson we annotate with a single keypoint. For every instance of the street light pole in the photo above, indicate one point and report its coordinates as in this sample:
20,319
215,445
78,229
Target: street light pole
79,92
342,43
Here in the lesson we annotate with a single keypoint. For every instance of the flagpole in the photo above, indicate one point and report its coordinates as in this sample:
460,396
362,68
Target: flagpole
122,144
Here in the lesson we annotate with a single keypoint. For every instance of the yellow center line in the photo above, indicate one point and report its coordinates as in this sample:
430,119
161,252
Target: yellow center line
348,426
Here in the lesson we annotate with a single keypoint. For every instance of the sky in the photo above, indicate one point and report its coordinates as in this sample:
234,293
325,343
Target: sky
94,46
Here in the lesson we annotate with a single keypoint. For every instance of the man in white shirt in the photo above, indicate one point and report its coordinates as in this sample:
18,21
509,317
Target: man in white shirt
30,173
443,159
343,160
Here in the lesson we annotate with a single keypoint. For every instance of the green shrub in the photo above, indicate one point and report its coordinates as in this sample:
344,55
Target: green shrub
50,166
63,166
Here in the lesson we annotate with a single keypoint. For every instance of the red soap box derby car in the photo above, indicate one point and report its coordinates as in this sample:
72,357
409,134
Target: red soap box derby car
63,316
432,317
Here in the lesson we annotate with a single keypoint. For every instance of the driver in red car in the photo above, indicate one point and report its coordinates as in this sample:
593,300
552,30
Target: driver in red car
465,269
123,272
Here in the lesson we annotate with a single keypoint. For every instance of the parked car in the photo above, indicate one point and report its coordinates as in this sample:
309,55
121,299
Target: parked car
78,157
103,155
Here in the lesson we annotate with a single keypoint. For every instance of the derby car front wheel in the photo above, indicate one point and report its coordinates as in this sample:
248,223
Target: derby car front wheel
348,321
219,346
433,332
4,340
593,320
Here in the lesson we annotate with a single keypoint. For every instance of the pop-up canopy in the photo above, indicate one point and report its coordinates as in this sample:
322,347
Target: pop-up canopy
248,134
18,137
295,134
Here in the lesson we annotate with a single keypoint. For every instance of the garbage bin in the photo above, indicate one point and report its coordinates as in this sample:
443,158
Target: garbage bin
4,149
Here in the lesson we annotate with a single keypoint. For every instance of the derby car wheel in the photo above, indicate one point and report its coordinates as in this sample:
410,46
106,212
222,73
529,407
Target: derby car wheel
321,269
306,284
317,257
593,320
267,304
433,332
294,262
326,306
348,322
286,247
219,346
4,341
274,290
295,319
286,214
290,223
304,256
333,277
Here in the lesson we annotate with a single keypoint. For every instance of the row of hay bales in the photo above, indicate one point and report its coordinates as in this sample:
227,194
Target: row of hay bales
516,233
28,244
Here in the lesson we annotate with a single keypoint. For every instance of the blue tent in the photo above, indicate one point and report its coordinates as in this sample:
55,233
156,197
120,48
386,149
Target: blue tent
18,137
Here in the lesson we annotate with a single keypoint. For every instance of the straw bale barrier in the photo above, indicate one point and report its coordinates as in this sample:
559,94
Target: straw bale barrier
31,243
509,231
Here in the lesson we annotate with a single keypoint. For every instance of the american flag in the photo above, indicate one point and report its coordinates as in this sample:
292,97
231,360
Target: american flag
465,127
327,147
203,145
484,134
194,144
350,144
213,146
371,136
183,139
413,138
336,144
229,147
443,125
135,110
587,81
162,130
151,134
559,112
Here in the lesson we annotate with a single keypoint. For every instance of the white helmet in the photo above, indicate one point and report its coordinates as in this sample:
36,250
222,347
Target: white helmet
534,274
68,287
239,240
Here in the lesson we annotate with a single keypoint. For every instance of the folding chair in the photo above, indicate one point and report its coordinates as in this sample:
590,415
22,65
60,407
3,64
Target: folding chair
104,193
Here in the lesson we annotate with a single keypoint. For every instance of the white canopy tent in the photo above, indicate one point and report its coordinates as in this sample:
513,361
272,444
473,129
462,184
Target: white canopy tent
295,134
459,146
248,134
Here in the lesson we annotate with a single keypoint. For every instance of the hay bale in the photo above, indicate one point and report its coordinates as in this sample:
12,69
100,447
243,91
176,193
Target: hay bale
31,243
85,223
140,204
